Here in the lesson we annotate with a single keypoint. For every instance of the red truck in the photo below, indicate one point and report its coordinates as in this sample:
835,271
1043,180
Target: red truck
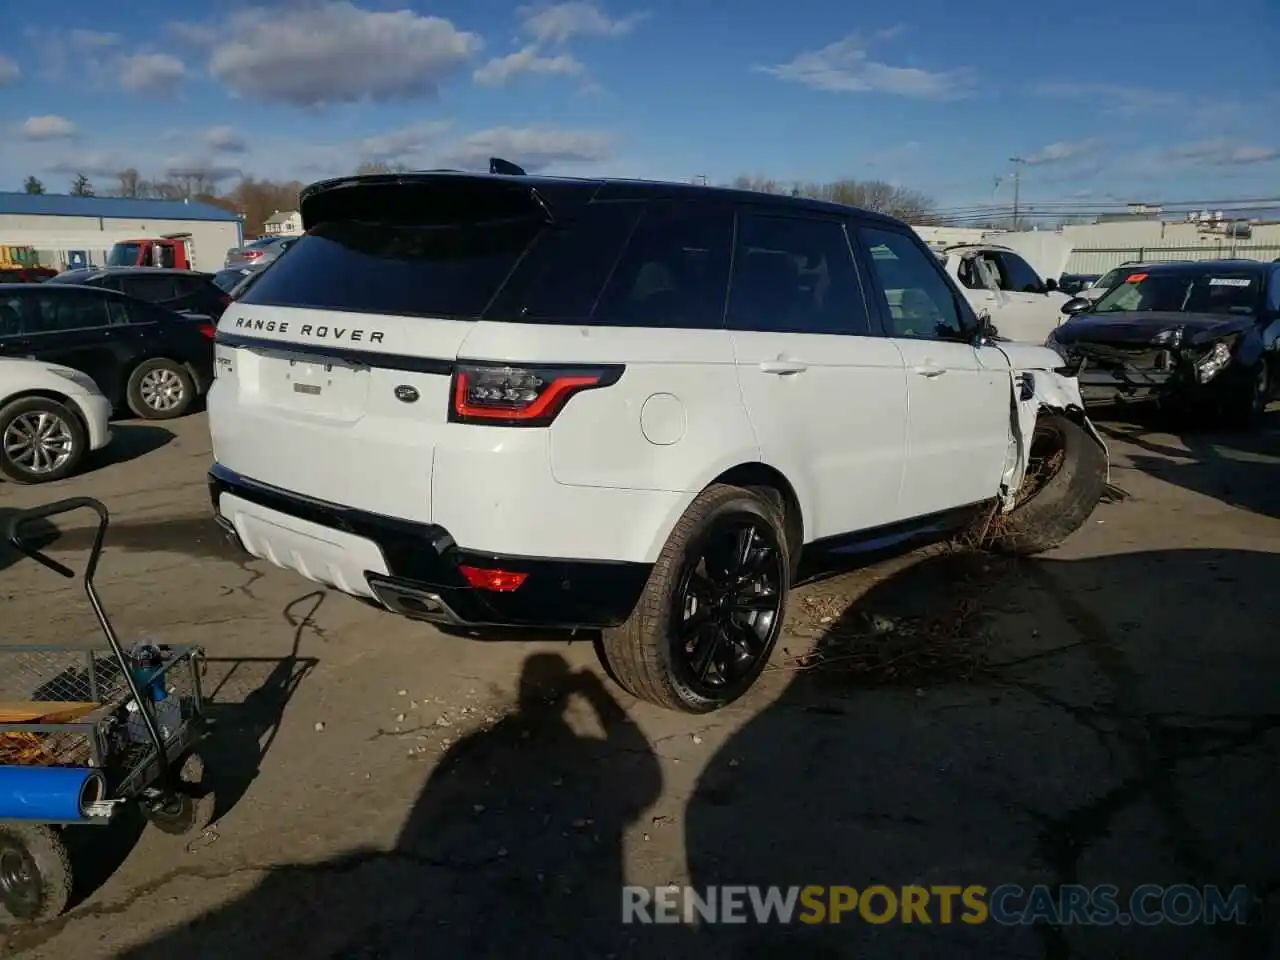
170,250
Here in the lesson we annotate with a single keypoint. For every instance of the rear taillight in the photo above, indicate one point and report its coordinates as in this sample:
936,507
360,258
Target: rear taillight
208,329
251,254
497,581
529,396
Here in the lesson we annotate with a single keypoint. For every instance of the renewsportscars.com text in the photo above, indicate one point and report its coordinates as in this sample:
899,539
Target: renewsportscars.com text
1007,904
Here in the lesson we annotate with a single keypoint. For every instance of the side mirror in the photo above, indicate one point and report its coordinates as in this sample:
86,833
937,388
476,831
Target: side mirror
985,331
1050,285
1076,305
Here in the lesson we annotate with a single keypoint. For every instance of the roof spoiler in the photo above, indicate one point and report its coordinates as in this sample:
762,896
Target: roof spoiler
505,167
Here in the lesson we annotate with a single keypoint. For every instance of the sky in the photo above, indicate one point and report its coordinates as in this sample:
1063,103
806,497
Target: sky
1152,101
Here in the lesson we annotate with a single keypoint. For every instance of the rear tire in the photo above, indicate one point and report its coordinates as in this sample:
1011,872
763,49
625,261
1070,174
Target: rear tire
700,636
35,872
1062,502
41,440
161,389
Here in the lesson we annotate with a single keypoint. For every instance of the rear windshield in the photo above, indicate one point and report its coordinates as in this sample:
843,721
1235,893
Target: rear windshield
449,270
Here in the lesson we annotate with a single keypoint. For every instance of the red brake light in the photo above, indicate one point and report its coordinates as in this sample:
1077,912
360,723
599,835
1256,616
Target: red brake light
498,581
521,396
251,254
208,329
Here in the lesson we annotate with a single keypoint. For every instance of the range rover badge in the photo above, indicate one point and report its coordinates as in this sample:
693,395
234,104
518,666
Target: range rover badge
406,393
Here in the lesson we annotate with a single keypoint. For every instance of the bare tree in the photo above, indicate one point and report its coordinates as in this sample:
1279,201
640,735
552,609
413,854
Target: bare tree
131,184
875,195
81,187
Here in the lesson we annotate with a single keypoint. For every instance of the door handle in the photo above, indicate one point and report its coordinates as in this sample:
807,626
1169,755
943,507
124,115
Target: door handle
930,370
782,367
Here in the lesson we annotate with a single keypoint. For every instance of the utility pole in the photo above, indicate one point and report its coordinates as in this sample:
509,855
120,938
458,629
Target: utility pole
1017,184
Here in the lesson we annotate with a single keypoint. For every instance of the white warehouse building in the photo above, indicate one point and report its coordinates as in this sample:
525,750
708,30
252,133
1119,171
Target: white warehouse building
68,231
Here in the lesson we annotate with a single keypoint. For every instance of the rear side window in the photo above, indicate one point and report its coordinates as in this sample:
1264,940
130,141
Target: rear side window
674,271
152,289
562,276
793,275
444,270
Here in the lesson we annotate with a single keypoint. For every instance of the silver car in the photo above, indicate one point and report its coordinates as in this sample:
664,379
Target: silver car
258,253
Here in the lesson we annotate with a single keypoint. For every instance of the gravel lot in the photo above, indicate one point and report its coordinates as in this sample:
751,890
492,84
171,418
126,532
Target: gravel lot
1107,714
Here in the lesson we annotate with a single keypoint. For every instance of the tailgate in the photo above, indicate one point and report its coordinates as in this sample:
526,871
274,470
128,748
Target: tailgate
355,425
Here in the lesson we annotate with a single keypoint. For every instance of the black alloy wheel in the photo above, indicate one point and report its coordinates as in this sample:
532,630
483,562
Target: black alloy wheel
728,606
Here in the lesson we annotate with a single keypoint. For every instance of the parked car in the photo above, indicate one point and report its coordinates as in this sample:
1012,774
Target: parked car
144,358
999,282
641,419
259,252
50,417
1072,283
26,274
234,279
1196,333
182,291
1115,276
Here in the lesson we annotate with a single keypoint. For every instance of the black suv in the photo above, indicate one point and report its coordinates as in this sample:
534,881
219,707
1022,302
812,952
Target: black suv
182,291
152,361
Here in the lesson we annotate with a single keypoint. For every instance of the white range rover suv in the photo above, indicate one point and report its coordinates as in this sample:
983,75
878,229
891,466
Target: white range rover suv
494,399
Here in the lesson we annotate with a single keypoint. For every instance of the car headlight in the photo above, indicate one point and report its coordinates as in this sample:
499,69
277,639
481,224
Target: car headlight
1213,362
82,380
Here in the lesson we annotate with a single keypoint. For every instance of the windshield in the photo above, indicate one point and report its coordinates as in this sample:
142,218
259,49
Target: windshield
124,255
1184,291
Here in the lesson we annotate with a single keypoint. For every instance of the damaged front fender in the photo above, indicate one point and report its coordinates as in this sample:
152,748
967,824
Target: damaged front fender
1032,392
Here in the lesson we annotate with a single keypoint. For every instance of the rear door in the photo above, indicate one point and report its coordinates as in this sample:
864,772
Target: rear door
959,396
76,329
334,366
826,394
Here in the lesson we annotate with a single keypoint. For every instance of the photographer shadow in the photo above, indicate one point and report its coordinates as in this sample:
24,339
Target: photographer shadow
514,847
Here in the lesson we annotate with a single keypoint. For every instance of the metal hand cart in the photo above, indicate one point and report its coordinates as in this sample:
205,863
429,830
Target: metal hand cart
84,732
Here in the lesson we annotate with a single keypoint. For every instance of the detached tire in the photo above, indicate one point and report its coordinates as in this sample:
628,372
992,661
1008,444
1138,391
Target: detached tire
41,440
160,389
700,636
1064,500
35,873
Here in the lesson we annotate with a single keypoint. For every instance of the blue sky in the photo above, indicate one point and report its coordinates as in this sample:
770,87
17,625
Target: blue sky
1156,100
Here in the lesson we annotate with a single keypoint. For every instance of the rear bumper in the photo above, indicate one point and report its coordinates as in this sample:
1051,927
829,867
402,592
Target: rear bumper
412,568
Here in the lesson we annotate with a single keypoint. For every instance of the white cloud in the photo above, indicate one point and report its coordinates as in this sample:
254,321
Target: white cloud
846,67
563,21
1061,152
48,127
401,146
9,71
335,52
499,70
199,168
92,163
224,140
554,26
153,73
534,148
1223,153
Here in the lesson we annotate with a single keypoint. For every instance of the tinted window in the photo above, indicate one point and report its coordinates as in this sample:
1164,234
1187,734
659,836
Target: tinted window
10,316
1019,275
69,310
446,270
796,276
561,278
1273,300
674,271
916,296
124,255
154,289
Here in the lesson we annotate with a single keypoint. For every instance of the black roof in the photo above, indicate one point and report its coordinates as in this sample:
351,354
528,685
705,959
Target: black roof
127,271
600,188
46,287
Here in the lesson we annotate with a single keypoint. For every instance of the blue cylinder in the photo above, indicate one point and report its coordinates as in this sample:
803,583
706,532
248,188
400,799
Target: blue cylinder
49,794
